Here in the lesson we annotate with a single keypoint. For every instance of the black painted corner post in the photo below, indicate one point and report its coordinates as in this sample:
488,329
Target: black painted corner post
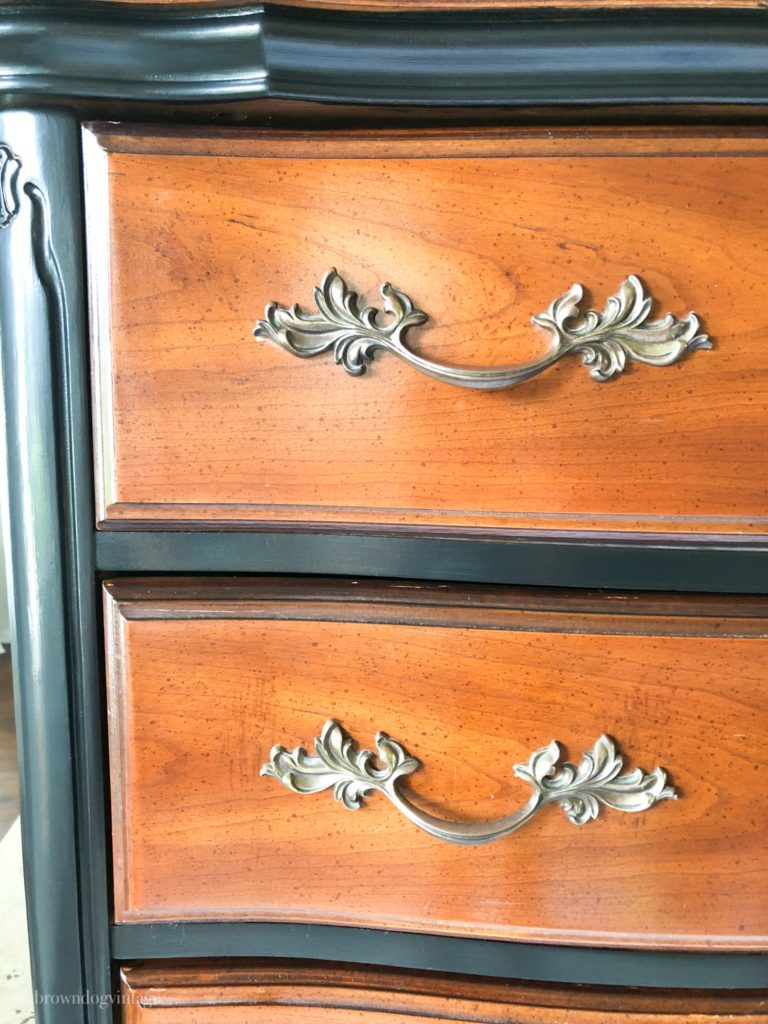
49,544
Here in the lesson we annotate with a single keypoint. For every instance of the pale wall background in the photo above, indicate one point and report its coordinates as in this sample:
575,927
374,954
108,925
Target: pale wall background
5,626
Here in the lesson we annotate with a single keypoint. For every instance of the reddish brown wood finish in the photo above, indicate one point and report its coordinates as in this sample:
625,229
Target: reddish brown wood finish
291,991
191,234
204,677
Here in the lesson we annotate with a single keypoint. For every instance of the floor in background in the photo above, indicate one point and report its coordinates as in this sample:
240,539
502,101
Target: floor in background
9,779
16,1003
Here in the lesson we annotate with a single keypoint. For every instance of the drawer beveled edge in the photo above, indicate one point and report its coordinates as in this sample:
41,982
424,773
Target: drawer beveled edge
437,604
177,983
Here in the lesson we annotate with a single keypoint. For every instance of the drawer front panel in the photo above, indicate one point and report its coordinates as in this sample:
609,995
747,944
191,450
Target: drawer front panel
205,677
190,236
285,991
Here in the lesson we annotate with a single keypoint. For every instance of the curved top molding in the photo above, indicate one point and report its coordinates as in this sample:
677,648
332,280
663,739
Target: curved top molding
453,5
91,52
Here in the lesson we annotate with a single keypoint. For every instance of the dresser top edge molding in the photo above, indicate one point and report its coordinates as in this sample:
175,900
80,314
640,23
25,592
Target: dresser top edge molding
198,57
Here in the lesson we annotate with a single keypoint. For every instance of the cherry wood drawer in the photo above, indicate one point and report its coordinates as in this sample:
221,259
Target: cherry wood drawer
297,992
190,235
205,676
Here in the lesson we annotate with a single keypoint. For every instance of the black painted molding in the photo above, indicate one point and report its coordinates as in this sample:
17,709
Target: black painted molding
81,51
49,544
528,961
642,565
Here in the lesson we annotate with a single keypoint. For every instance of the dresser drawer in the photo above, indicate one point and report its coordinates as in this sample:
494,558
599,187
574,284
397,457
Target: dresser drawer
288,992
205,677
191,235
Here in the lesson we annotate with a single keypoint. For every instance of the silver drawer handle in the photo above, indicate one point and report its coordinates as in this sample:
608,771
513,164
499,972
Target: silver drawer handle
580,790
605,340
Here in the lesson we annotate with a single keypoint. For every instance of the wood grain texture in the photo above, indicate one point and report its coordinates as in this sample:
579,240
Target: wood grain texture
205,677
190,236
286,991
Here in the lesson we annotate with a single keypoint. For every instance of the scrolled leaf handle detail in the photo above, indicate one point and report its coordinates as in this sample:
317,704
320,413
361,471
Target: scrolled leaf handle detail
604,340
580,789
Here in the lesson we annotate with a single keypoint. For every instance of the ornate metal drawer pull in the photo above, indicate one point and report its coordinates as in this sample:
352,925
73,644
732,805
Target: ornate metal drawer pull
580,790
605,340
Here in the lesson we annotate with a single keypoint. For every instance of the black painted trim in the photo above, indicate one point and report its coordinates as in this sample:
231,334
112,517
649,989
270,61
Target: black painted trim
489,958
520,57
30,334
550,563
59,52
42,326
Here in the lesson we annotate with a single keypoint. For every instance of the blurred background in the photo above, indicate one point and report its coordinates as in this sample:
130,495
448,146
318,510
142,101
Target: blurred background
16,1003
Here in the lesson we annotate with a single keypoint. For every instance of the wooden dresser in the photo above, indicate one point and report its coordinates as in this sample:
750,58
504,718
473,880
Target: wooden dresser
386,397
